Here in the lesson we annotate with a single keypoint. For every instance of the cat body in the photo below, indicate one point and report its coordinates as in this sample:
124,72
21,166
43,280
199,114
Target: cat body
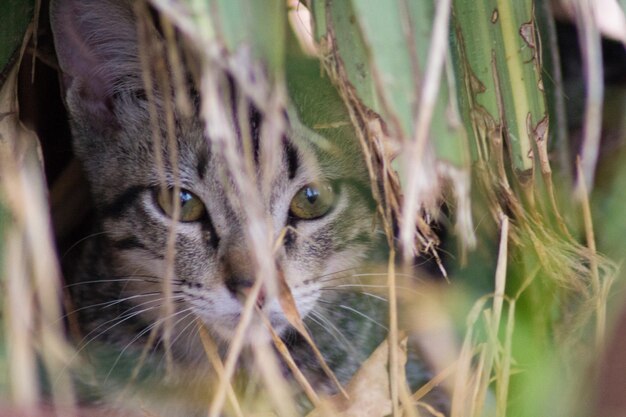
319,208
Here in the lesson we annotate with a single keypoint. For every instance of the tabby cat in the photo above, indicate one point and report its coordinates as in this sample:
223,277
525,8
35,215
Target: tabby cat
320,207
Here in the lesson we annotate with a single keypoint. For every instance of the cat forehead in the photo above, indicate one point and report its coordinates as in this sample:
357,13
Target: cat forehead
281,158
202,157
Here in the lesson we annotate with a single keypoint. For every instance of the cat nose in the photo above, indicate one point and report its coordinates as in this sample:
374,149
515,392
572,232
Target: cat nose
241,287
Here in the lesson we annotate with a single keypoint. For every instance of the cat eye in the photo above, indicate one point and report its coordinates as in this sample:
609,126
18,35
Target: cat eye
191,207
312,201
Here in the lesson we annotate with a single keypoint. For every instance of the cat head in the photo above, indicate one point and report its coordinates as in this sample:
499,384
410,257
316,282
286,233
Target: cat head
319,207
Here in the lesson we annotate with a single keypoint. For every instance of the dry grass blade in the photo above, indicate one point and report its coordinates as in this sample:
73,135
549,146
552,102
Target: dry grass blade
416,148
369,388
430,409
478,396
598,286
214,357
198,42
151,58
283,350
541,136
434,382
18,307
500,273
277,386
504,375
378,146
23,377
591,48
293,316
393,331
222,136
464,383
32,276
236,345
170,252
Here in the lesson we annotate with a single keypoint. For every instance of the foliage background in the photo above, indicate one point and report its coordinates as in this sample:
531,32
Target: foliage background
451,85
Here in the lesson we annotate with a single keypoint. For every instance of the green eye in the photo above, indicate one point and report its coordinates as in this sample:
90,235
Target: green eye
191,208
312,201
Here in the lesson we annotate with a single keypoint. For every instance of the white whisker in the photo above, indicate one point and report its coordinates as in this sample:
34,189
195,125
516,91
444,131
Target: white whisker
108,304
143,332
377,286
318,318
135,278
122,317
347,290
355,311
78,242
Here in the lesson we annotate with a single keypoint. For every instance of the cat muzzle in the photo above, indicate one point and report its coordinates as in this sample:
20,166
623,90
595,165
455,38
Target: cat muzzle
242,287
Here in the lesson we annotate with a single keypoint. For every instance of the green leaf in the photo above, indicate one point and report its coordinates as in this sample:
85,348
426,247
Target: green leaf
383,47
395,74
260,24
231,24
15,15
498,46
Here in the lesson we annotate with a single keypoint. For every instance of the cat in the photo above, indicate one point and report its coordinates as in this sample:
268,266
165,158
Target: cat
320,208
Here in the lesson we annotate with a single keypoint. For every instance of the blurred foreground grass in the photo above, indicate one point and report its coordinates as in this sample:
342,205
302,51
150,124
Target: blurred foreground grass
453,101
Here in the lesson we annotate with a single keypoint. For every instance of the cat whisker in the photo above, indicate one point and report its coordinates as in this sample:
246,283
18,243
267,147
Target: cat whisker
79,241
130,278
190,312
143,332
330,274
82,345
382,286
121,318
327,325
177,298
108,304
331,277
385,274
355,311
369,294
188,326
364,274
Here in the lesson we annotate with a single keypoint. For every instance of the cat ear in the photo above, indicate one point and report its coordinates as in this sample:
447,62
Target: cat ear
96,45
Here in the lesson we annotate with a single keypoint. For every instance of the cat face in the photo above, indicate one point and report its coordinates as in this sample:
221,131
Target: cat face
318,209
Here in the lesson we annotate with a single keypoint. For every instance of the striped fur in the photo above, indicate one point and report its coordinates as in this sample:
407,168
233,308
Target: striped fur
117,277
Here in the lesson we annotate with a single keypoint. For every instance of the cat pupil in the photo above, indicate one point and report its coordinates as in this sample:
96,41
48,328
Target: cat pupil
311,194
185,197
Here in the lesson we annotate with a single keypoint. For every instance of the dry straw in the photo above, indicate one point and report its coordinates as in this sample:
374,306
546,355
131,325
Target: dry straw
505,125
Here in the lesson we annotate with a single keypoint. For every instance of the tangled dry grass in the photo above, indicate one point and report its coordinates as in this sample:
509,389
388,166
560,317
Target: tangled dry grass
548,299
